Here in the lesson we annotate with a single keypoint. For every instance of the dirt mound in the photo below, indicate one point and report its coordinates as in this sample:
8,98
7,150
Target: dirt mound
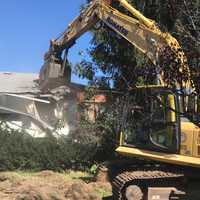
46,173
31,194
102,174
80,191
47,185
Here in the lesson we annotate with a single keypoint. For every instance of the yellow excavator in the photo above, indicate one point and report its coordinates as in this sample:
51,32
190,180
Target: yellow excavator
167,132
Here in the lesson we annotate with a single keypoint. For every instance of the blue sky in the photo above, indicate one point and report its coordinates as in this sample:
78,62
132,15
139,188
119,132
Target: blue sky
26,26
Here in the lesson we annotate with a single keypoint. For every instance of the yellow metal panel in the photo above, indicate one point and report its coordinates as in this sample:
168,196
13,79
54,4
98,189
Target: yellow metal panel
172,114
196,143
187,138
121,139
190,139
162,157
137,14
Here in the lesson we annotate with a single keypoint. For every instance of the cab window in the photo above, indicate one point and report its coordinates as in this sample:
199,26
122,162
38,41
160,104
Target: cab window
151,122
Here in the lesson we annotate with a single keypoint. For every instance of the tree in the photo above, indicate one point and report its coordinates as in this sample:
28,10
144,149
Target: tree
121,64
187,30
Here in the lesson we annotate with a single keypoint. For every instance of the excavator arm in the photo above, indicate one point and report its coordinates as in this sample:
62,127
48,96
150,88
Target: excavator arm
138,30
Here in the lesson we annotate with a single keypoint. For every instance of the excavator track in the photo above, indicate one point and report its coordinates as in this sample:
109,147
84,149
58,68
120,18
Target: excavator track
142,180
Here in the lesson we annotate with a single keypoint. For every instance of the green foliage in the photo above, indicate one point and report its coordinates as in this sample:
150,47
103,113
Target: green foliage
19,151
103,132
93,169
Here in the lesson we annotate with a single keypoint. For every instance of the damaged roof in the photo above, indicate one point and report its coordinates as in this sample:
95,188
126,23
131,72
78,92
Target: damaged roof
18,83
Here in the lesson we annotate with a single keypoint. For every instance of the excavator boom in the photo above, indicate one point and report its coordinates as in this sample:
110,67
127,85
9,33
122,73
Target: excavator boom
138,30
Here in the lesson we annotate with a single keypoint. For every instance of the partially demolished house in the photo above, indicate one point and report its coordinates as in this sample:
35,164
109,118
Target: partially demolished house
25,107
44,104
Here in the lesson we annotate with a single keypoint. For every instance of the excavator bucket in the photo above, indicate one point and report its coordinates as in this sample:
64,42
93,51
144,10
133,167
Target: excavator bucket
49,72
54,73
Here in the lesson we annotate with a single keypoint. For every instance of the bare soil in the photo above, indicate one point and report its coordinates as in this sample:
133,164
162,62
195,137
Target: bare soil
48,185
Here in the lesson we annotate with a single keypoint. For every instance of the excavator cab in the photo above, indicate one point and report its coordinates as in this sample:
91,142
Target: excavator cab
152,122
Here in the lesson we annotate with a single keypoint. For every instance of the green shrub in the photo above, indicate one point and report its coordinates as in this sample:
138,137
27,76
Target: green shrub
19,151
